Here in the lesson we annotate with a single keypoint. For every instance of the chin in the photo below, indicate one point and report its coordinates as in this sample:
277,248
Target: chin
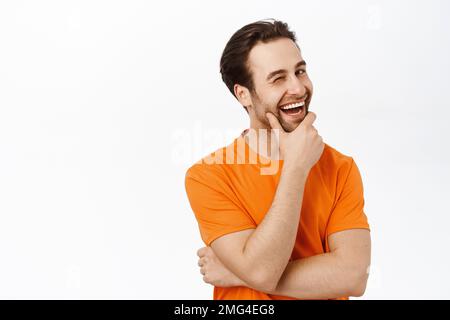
289,127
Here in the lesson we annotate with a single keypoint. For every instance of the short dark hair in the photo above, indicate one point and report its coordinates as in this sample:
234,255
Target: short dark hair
234,61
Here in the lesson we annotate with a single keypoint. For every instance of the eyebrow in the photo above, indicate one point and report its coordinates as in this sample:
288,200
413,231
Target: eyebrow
274,73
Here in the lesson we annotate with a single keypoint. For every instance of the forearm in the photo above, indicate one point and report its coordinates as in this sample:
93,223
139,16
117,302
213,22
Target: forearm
324,276
270,246
317,277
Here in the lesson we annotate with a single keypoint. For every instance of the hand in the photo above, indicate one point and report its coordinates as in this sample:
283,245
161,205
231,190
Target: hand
214,272
302,147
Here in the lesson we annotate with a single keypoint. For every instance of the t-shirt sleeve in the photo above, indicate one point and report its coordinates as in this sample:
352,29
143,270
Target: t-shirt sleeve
348,212
215,207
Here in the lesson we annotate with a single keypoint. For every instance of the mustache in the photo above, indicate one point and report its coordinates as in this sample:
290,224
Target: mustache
306,97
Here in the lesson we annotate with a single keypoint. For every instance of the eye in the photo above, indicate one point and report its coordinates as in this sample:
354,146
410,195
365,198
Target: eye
278,79
301,71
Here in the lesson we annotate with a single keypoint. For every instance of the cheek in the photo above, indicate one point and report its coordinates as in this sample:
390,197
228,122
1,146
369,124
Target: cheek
309,85
267,106
269,101
273,100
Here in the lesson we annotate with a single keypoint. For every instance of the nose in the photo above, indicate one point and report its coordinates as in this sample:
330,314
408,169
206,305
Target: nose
296,86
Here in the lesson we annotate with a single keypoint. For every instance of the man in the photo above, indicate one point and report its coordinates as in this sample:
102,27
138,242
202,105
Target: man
299,232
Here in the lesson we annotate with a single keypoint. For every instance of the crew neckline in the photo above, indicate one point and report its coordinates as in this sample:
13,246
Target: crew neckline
261,160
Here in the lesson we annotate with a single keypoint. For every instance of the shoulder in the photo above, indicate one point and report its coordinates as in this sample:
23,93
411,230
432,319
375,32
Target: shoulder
208,170
337,169
335,161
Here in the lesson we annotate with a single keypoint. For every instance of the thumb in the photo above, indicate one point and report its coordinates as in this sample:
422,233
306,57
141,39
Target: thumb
273,121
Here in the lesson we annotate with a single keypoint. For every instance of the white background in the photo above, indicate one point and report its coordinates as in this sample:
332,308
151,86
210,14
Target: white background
105,104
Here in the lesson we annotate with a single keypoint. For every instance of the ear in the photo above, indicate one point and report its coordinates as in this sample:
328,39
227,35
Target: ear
243,95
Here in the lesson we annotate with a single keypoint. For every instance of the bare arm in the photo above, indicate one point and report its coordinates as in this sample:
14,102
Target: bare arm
260,256
339,273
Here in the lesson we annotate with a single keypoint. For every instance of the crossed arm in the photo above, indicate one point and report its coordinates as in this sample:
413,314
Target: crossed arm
341,272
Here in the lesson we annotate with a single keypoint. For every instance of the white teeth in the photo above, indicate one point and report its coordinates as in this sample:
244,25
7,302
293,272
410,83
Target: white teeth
294,105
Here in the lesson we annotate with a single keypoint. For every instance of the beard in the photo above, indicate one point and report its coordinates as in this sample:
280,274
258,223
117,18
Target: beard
288,126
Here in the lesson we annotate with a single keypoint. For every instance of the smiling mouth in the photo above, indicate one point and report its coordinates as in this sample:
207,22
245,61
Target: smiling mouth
293,108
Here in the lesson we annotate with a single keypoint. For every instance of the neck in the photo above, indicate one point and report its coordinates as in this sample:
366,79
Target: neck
262,140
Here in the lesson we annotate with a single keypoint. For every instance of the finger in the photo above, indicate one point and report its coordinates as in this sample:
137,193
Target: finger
309,119
201,262
273,121
201,252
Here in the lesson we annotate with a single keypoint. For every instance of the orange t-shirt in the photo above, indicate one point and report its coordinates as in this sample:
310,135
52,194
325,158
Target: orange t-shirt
231,196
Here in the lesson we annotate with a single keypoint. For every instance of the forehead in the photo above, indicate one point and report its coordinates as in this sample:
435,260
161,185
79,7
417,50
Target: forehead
274,55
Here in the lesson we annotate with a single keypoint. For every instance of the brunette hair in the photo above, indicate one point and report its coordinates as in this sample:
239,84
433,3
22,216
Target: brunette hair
233,63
